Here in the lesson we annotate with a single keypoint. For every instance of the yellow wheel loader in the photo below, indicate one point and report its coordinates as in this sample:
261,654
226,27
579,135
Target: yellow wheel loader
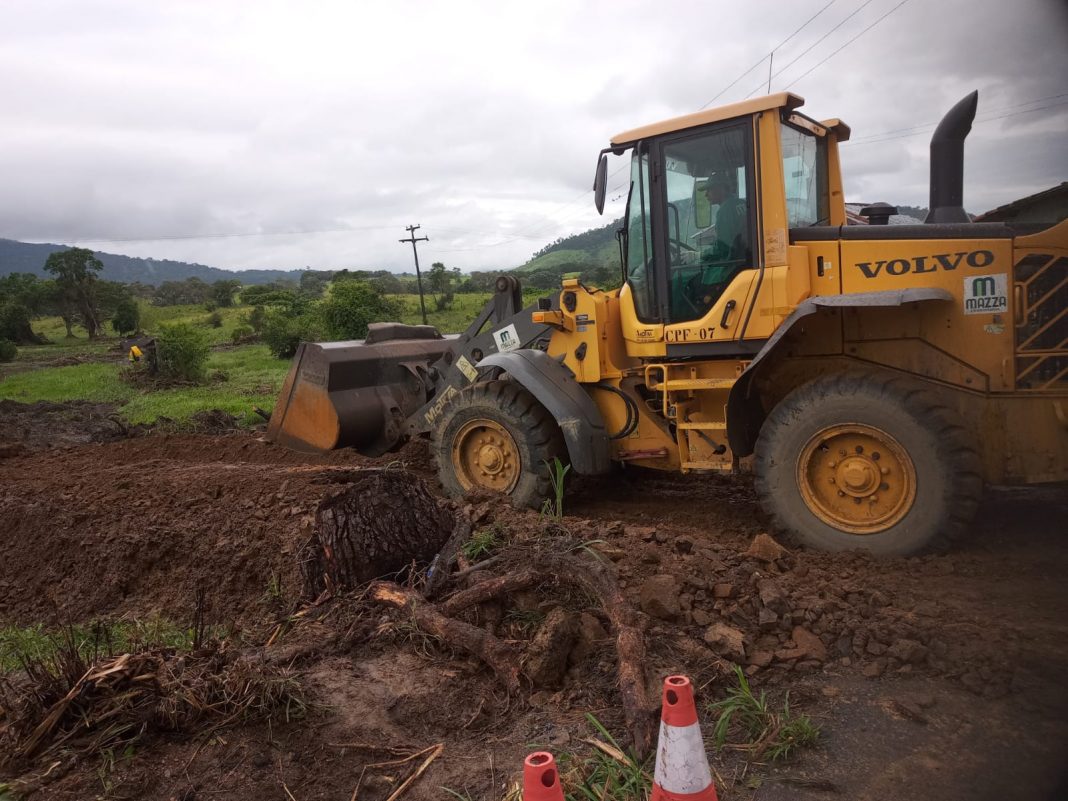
877,374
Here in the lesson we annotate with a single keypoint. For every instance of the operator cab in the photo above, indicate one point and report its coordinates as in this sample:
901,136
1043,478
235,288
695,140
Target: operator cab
712,196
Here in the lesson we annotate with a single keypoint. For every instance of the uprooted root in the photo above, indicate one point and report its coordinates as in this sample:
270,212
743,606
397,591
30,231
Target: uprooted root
119,700
546,564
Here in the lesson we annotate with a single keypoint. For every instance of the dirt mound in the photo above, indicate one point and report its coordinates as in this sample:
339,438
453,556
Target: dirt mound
141,524
28,427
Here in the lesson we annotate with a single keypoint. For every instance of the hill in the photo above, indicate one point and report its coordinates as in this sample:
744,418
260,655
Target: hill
26,257
590,249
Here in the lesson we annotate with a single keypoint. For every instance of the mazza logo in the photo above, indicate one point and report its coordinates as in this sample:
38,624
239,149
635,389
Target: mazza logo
986,294
927,264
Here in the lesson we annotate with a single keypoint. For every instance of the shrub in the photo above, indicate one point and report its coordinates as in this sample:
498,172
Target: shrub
8,351
127,317
283,331
210,305
181,352
215,320
256,318
352,306
241,333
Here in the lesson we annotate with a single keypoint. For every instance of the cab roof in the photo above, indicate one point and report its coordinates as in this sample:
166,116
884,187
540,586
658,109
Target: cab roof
779,100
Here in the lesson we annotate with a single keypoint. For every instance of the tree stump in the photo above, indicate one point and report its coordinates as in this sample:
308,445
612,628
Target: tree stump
374,528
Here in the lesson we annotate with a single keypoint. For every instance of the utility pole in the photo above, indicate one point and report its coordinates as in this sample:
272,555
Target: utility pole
411,229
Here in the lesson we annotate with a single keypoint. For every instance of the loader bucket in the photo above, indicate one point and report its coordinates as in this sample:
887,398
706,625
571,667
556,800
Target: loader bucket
355,394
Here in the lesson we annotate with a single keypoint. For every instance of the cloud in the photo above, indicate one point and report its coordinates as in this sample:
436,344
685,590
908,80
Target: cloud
314,135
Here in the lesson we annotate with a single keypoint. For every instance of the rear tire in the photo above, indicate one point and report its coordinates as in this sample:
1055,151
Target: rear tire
868,461
496,436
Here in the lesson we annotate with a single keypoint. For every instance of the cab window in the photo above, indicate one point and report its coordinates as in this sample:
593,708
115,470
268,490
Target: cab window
804,169
639,248
709,221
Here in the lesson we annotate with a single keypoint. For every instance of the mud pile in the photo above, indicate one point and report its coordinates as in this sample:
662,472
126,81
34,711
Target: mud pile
26,427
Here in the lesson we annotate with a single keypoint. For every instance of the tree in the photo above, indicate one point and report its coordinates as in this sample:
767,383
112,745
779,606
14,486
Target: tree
181,293
352,306
127,318
23,298
76,272
440,282
222,292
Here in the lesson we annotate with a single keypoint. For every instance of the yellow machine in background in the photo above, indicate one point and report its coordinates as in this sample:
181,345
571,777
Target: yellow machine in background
878,375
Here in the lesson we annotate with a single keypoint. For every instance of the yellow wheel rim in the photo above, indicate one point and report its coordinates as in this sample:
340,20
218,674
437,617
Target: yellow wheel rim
856,478
486,456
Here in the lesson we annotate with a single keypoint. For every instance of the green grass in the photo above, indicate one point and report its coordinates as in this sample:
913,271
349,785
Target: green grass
609,773
764,731
482,543
93,381
252,378
101,638
465,307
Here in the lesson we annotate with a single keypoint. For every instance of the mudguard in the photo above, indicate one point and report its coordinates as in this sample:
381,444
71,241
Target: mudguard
556,389
743,426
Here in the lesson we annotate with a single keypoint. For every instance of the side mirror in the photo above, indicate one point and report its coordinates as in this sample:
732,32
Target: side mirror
600,179
702,209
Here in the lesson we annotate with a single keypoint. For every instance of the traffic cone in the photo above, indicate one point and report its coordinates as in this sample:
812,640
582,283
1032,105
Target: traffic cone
682,772
541,779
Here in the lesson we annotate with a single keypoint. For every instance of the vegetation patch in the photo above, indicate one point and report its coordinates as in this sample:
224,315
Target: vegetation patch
751,723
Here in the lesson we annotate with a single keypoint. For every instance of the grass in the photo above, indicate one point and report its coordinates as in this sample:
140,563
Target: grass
246,376
482,543
609,772
765,732
554,506
464,309
100,638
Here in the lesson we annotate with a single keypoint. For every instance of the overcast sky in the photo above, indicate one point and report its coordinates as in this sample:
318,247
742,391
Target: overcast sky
278,134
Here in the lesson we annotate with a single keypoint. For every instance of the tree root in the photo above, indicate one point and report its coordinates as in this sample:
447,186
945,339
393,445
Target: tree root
499,655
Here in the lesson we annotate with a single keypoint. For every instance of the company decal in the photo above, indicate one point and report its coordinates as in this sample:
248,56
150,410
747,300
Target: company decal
645,333
468,369
986,294
507,339
926,264
434,412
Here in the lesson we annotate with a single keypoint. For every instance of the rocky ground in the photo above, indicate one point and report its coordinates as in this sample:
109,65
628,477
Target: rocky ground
931,677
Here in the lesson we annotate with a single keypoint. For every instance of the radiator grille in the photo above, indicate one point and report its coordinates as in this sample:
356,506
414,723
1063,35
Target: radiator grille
1042,333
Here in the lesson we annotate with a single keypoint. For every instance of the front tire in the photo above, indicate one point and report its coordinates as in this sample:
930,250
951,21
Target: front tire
868,461
496,436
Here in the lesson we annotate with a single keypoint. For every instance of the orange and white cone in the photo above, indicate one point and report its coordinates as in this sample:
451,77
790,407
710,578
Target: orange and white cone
682,772
541,779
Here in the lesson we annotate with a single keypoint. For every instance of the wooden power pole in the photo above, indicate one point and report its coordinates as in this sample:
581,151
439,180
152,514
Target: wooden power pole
411,229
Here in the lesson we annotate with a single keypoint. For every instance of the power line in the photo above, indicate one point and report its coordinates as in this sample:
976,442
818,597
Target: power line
926,125
847,44
808,49
770,53
873,140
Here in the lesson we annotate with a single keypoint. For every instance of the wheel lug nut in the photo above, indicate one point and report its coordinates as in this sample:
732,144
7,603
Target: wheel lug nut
859,449
856,501
830,480
873,498
884,486
884,470
834,464
841,494
842,452
875,455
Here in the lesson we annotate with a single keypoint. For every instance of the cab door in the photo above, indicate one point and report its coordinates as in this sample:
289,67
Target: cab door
706,209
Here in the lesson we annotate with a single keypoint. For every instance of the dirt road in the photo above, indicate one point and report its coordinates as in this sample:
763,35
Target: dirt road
936,677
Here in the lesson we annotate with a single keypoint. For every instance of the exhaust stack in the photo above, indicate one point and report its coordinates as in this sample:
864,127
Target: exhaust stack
947,163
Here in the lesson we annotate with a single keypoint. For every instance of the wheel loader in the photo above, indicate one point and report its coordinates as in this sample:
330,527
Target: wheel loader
872,376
